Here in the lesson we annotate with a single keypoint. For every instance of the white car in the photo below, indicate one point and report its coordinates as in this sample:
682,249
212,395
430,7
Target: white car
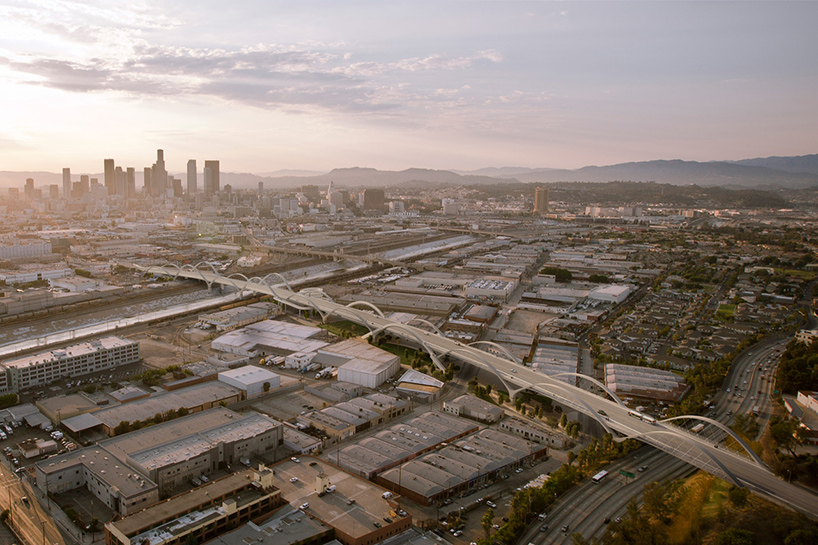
293,479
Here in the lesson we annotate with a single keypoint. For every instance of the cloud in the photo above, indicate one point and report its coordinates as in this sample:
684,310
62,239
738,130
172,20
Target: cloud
264,75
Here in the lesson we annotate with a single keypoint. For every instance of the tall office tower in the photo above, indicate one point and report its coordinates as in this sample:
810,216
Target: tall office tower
208,182
260,189
374,199
119,186
214,169
53,191
147,190
175,187
159,176
541,201
330,190
66,183
110,176
84,187
28,190
130,183
192,182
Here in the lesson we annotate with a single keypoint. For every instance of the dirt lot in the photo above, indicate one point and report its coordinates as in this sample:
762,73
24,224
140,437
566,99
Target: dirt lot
526,321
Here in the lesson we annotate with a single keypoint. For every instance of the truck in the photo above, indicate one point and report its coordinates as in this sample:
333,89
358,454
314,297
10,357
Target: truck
311,367
756,410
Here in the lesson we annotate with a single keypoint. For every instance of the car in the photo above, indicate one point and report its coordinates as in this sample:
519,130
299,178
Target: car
544,528
195,482
518,470
513,370
293,479
495,526
24,499
351,501
491,504
603,413
376,524
304,505
641,469
564,529
204,478
606,520
296,460
618,519
458,533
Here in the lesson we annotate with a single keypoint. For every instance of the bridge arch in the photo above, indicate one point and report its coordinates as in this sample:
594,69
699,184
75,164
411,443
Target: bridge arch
596,382
339,311
430,324
598,417
378,311
408,331
303,300
502,349
512,390
289,287
722,427
693,444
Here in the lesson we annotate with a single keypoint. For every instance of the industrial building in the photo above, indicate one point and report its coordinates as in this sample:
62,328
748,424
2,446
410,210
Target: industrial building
465,464
361,513
554,356
347,418
199,397
201,514
269,337
644,383
611,293
79,359
160,457
251,380
289,526
233,318
475,408
400,442
533,432
359,362
434,305
418,386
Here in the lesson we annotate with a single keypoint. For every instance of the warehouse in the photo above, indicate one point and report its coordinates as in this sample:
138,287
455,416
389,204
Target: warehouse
252,380
359,362
458,467
269,337
233,318
612,293
554,356
471,407
645,383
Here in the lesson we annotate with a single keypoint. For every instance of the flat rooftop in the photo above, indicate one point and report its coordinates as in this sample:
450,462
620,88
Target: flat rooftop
76,350
355,520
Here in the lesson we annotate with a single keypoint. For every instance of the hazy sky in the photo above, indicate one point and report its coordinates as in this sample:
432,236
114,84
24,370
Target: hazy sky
266,85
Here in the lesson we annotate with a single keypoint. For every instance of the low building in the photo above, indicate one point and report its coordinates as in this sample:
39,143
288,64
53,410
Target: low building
359,362
418,386
201,514
269,337
611,293
230,319
251,380
532,432
474,408
289,526
645,383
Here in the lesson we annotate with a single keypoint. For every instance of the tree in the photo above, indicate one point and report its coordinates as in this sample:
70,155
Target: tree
738,496
563,420
486,521
571,457
266,387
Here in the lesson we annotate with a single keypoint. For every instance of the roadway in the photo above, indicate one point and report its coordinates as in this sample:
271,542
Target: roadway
712,457
28,519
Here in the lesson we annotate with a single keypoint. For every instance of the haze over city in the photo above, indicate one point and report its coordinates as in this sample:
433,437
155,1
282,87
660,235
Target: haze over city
391,85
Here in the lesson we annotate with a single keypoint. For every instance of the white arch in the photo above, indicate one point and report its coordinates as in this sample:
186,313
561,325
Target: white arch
502,349
378,311
303,300
595,381
722,427
714,459
361,319
591,412
426,347
511,390
430,324
289,287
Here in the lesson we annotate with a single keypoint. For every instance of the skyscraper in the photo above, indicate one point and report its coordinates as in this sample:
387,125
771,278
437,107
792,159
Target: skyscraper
110,176
147,189
207,175
130,183
66,183
374,199
192,182
159,176
541,201
214,172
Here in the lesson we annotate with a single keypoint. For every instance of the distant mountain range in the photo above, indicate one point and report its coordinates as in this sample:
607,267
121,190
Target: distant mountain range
784,172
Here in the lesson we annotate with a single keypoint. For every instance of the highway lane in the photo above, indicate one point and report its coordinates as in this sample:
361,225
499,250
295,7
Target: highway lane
693,449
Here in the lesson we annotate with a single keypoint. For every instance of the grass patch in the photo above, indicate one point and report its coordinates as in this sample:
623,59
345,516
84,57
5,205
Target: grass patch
727,309
803,275
695,493
339,328
405,354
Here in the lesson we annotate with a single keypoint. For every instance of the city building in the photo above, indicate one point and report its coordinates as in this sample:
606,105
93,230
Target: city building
109,169
66,183
541,201
79,359
192,180
359,362
645,383
474,408
201,514
211,178
374,200
251,380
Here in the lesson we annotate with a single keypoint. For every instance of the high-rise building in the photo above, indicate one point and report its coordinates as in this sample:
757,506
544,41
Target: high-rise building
260,189
66,183
541,201
192,181
147,189
214,173
207,176
374,199
130,183
159,176
53,191
110,176
119,186
28,191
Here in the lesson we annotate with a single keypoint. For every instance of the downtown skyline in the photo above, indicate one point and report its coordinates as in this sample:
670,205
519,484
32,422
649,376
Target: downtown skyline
447,85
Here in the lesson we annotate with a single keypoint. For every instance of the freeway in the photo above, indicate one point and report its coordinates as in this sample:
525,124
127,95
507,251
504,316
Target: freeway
712,457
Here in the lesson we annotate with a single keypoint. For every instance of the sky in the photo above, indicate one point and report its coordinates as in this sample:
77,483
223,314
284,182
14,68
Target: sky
314,85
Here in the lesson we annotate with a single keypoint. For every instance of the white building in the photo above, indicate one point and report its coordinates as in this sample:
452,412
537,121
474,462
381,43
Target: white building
76,360
250,379
359,362
18,249
612,293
